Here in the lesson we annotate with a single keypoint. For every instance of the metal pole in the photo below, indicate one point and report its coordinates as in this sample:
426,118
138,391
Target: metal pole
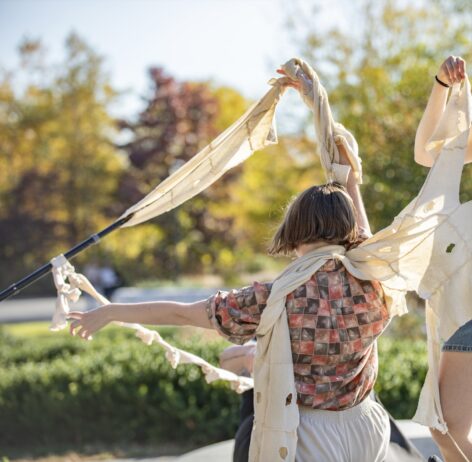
43,270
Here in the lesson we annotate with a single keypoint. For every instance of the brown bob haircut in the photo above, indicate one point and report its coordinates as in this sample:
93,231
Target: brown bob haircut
320,213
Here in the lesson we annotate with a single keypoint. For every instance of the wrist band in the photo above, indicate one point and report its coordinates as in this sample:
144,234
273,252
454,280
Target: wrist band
441,83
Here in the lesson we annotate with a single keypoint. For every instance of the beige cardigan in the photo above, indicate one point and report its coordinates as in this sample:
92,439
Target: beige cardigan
427,248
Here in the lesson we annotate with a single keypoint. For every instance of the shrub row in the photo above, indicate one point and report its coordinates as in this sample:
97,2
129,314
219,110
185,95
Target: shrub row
62,389
112,389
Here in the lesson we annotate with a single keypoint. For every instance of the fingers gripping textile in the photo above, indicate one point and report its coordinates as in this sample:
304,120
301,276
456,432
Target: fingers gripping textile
329,132
70,292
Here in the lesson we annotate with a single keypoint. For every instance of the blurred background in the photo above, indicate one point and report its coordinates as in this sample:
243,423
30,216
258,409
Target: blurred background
101,100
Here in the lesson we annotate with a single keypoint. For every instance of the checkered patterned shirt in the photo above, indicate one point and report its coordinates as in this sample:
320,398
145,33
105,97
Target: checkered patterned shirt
334,320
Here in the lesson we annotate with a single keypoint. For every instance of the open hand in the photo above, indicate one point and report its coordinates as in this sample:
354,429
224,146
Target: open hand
86,323
452,70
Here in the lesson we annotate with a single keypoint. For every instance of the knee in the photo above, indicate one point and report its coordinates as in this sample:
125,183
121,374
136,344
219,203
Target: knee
448,449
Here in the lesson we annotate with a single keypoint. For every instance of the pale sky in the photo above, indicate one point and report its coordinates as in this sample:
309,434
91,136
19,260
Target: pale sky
238,43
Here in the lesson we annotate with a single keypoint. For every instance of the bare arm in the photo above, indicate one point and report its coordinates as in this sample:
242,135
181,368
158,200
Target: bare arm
429,122
355,193
452,70
158,313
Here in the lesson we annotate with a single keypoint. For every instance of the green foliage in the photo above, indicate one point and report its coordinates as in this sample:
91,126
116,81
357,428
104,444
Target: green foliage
115,388
67,178
57,388
402,369
63,176
178,119
58,165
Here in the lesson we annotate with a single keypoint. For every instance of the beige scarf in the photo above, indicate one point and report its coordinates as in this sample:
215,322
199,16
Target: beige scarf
253,131
274,434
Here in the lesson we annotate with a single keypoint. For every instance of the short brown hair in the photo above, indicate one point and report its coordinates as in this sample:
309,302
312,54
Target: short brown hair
320,213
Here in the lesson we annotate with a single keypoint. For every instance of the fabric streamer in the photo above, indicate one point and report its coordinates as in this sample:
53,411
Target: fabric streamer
253,131
70,292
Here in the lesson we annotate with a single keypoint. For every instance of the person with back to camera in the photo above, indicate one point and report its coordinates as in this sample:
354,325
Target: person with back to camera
334,320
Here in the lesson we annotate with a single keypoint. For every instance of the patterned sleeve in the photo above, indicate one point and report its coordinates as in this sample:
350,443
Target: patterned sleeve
236,314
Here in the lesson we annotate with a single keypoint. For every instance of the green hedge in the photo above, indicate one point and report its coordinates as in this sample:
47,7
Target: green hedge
402,370
114,388
57,388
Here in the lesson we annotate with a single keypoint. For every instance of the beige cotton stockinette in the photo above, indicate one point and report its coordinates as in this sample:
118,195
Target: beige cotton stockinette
276,415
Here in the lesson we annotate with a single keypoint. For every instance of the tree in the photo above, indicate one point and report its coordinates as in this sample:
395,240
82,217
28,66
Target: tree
178,120
225,229
59,164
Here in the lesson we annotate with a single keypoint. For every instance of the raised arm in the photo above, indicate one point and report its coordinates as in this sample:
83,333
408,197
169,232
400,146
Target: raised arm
84,324
355,193
452,71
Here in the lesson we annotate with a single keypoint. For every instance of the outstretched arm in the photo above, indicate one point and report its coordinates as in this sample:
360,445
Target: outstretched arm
452,71
84,324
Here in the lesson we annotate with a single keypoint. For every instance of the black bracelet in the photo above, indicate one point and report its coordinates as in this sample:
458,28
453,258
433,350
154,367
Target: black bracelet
441,83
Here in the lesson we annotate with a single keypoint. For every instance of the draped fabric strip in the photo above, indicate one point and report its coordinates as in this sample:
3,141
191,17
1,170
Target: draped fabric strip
69,285
253,131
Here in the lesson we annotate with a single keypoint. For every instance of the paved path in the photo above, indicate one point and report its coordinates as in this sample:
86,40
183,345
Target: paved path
222,452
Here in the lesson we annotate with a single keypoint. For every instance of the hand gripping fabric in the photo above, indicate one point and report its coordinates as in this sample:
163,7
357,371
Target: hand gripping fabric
329,132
